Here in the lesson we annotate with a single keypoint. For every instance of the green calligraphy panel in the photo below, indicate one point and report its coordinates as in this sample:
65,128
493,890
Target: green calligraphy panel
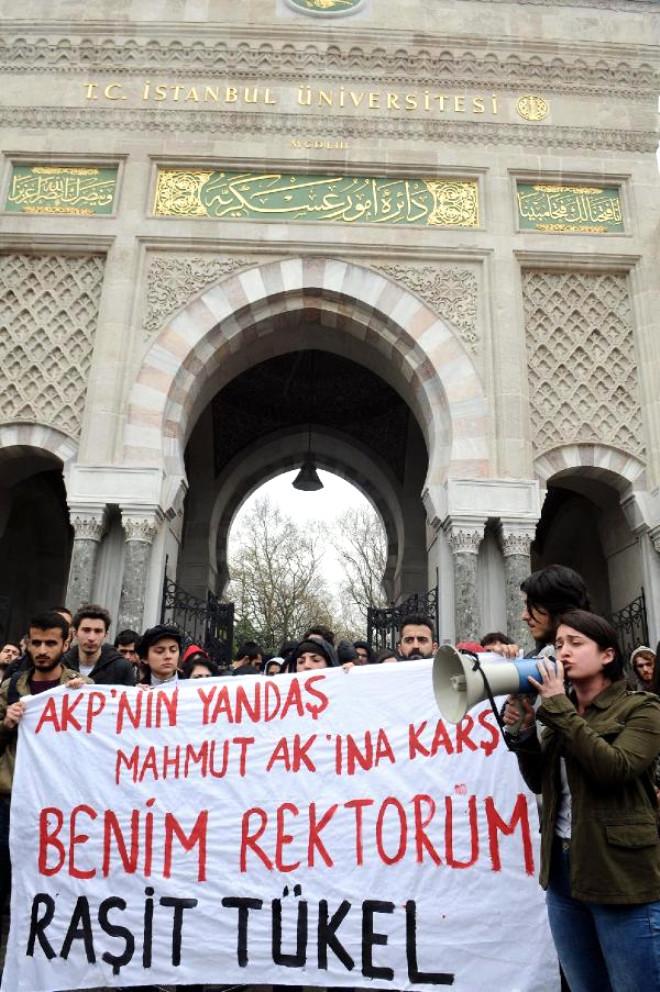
57,189
578,209
321,199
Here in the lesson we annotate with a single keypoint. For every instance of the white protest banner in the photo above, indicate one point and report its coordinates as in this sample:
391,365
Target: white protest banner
324,829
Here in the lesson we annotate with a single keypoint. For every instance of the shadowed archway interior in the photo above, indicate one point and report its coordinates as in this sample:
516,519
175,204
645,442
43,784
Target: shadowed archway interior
311,387
258,425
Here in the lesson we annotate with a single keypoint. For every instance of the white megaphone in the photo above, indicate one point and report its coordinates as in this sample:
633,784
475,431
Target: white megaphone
458,680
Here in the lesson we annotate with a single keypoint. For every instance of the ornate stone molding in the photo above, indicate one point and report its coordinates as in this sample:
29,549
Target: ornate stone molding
214,122
89,526
654,534
453,293
517,540
581,360
140,527
631,6
173,280
293,59
465,538
49,304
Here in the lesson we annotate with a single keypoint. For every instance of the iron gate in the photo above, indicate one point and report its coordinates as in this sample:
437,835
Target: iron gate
383,622
631,625
208,622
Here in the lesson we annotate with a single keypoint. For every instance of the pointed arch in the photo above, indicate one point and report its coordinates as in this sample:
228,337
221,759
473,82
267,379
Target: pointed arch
269,310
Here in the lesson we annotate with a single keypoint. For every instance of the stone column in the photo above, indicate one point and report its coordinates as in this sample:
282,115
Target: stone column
140,528
516,542
464,539
88,527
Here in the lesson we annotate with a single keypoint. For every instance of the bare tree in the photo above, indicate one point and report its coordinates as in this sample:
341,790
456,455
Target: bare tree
276,580
361,544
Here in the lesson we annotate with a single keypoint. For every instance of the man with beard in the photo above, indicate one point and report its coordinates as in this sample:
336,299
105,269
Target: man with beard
47,639
416,637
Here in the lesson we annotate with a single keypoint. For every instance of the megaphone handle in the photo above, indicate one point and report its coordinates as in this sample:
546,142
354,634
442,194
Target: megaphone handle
513,729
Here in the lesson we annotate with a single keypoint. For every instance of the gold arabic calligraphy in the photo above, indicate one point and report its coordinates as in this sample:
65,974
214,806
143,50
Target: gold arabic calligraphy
589,209
52,189
344,199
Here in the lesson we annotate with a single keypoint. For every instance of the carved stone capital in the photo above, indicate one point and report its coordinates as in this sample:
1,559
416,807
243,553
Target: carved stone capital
140,526
88,526
654,534
517,540
465,538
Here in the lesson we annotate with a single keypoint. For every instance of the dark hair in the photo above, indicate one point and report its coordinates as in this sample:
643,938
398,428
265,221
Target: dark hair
346,652
418,620
125,637
321,631
61,609
49,620
494,637
365,647
249,648
91,611
556,589
385,653
312,646
287,648
602,632
155,634
198,659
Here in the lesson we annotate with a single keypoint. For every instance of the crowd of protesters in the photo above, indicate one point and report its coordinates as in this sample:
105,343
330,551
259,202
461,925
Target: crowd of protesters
562,759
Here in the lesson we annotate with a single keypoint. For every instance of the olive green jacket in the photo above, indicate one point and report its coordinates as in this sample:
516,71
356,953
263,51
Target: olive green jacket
609,754
8,737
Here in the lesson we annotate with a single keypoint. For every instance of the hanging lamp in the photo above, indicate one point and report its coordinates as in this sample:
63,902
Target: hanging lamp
307,480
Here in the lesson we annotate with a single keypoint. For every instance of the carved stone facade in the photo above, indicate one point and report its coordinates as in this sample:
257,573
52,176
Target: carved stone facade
49,306
452,292
581,360
88,528
140,529
283,58
173,280
402,131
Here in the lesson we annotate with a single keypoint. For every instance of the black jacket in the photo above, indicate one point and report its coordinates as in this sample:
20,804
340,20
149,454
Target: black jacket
111,668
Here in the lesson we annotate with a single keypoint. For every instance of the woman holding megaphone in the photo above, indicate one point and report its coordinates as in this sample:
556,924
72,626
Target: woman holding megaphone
592,761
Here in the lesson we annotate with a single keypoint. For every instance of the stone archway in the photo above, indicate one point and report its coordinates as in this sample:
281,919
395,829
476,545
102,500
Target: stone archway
588,518
272,309
206,533
35,534
617,468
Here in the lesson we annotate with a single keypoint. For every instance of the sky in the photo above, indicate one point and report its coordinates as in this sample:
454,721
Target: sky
335,498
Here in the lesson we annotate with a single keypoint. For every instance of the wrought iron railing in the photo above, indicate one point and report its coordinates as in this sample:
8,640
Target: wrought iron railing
208,622
631,624
383,622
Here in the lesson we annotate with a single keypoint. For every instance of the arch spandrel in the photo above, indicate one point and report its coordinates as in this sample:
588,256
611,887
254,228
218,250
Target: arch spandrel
264,311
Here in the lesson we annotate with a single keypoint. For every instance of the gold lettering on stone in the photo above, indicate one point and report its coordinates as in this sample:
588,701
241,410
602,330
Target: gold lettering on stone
229,195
